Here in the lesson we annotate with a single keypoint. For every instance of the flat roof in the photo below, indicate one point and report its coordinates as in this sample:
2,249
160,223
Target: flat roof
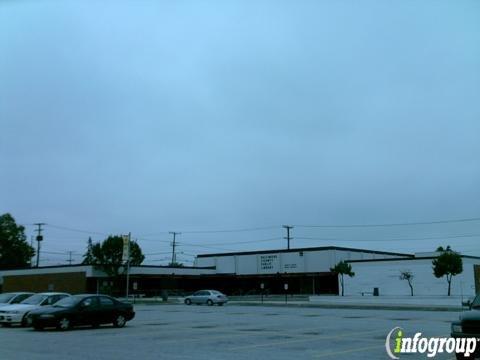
322,248
131,266
408,258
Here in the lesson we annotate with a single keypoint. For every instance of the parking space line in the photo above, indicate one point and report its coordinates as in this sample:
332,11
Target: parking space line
334,353
286,342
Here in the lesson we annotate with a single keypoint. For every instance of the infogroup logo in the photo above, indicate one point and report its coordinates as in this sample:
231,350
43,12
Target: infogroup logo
397,343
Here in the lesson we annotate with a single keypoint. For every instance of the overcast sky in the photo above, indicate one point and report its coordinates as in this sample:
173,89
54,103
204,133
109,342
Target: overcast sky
157,116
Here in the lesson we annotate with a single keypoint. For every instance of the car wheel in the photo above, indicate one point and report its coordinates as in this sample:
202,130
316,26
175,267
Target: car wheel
209,302
24,321
6,325
220,304
188,302
95,325
38,327
119,321
64,324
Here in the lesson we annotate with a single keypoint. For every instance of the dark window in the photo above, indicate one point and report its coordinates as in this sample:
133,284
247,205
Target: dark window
50,300
20,298
88,302
104,301
58,298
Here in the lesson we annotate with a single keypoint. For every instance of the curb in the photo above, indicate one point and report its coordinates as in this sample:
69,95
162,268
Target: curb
357,306
444,308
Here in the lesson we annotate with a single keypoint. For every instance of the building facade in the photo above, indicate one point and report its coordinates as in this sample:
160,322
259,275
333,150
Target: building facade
295,271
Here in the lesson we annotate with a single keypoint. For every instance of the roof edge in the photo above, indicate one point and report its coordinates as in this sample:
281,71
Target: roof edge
322,248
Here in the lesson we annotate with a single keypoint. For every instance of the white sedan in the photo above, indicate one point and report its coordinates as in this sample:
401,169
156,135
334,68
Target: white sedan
13,297
16,313
208,297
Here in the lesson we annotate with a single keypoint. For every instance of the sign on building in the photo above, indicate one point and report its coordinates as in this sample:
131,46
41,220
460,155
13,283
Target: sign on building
126,248
269,263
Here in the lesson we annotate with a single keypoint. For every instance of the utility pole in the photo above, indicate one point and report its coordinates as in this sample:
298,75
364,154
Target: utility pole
174,255
39,238
126,256
32,260
70,258
288,227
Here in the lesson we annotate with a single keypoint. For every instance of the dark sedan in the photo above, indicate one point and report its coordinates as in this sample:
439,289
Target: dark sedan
469,326
81,310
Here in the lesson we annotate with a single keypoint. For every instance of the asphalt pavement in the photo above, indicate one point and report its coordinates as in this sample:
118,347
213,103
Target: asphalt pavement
230,332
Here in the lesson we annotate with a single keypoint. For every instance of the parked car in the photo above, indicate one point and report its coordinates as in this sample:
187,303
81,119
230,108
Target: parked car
208,297
468,325
15,314
13,297
78,310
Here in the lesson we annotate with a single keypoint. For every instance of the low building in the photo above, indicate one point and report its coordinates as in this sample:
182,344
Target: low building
145,280
304,270
296,271
384,274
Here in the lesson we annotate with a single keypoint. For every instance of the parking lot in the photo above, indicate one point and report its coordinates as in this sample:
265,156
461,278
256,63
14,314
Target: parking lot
230,332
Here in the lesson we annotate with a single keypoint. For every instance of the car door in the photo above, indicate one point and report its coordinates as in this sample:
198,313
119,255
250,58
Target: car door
193,297
197,297
107,308
87,311
202,299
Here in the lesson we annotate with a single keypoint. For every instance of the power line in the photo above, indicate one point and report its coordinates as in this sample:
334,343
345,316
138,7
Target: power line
245,242
231,230
76,230
206,246
219,231
392,224
158,253
394,239
61,253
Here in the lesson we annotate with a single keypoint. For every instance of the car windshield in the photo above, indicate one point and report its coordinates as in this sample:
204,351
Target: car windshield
5,298
67,302
34,300
214,292
476,303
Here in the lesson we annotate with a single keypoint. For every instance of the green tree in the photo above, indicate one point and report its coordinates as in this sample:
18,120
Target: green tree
88,258
343,268
108,255
449,264
15,251
408,276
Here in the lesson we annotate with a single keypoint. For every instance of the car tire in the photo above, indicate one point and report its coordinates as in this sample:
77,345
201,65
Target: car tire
209,302
23,323
220,304
119,321
188,302
64,324
6,325
38,327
